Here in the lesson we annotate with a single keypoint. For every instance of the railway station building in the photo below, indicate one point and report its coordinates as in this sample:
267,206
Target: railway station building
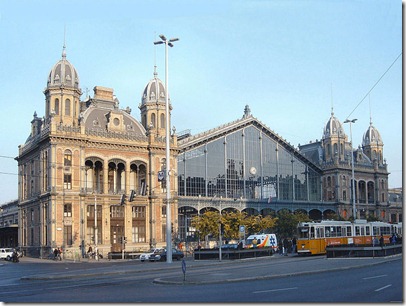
88,171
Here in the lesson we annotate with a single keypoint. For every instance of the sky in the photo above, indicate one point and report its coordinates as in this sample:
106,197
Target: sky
292,62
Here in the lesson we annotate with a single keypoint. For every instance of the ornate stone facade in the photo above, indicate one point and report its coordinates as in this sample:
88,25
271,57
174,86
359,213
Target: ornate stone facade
79,161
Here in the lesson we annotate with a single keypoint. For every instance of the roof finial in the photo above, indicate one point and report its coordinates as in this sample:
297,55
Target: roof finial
155,73
332,106
247,111
370,113
64,45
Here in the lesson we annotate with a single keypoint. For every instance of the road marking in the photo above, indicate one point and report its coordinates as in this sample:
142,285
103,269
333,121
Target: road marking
387,286
273,290
365,278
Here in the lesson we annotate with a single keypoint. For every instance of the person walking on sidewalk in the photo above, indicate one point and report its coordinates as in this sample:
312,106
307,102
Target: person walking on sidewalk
285,246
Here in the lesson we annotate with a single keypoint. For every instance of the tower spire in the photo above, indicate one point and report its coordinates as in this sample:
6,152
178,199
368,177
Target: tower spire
370,112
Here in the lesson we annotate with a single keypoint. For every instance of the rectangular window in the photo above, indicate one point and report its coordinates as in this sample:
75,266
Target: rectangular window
138,232
339,234
68,234
67,210
349,231
116,212
67,181
164,232
138,212
357,231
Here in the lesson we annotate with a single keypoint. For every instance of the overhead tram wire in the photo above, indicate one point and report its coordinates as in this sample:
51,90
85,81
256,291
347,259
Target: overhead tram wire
375,84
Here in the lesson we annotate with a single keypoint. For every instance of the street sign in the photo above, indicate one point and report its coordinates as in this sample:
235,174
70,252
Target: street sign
161,176
242,229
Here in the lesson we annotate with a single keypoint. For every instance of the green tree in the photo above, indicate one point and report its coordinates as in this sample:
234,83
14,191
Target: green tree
259,224
232,221
286,224
207,223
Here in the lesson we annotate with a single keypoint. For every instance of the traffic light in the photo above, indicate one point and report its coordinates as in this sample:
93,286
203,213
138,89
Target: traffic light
132,195
122,200
121,240
222,228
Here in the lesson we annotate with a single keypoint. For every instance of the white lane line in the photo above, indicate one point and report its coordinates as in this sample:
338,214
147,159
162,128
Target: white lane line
387,286
273,290
383,275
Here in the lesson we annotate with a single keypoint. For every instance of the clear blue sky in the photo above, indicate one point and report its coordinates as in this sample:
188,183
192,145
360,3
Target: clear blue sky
290,61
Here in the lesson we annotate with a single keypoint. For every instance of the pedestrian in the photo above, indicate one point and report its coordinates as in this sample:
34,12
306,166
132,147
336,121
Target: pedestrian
294,245
285,246
15,256
59,254
240,245
55,253
280,246
393,239
381,241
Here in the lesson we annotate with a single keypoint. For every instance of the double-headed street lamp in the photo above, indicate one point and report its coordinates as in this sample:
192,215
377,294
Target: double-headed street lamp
167,149
354,211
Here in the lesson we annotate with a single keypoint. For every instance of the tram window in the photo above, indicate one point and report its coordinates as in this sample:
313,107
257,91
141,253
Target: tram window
312,232
349,234
304,232
362,231
339,231
327,232
333,231
375,231
386,230
319,232
357,231
367,231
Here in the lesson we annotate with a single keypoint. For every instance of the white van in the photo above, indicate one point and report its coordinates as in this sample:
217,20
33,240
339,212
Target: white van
6,253
262,240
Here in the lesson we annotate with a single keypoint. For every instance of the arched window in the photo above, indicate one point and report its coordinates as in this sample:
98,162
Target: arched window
162,121
56,110
153,119
67,159
67,107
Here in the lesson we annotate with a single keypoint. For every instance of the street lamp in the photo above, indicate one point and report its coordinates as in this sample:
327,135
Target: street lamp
167,129
354,211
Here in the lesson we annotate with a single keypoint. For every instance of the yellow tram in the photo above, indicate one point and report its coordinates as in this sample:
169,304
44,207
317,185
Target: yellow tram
313,237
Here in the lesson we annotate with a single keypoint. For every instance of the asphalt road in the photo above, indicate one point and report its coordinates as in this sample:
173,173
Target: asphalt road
271,279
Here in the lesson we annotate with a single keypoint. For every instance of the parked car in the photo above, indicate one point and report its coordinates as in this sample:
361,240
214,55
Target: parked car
161,255
6,253
147,255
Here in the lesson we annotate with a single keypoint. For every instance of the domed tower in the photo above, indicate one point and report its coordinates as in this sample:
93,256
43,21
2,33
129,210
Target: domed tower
372,144
334,139
63,93
153,114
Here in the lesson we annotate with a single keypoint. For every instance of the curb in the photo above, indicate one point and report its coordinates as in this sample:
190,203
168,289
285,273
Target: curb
266,277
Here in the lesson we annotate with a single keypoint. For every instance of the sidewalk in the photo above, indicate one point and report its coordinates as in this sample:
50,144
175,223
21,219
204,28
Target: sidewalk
208,271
